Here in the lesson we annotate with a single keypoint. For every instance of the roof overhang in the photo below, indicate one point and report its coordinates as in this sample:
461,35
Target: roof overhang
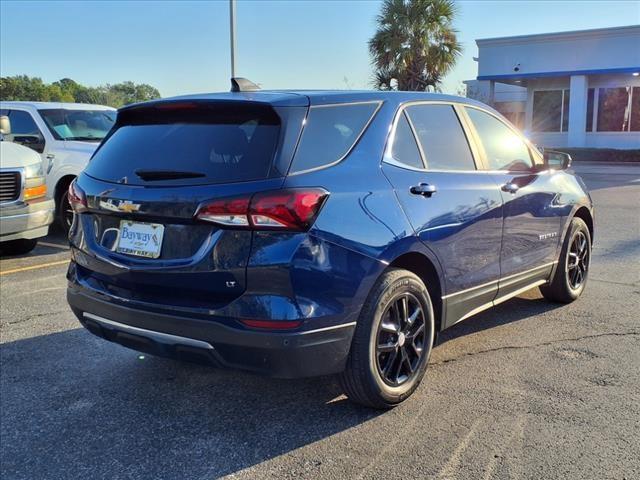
597,33
511,77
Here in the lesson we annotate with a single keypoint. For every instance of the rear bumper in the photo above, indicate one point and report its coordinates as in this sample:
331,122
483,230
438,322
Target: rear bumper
26,222
283,355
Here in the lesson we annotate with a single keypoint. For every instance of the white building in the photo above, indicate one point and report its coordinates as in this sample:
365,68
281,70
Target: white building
583,87
509,100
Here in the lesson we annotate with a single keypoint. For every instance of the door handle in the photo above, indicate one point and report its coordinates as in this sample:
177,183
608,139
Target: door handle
510,187
423,189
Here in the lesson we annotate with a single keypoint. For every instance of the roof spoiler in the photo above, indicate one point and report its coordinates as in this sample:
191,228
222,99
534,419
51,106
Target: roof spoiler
239,84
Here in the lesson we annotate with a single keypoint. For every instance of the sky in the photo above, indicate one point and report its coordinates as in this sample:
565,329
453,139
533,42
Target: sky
183,46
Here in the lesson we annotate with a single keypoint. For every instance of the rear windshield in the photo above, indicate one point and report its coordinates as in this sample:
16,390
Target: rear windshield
189,144
330,132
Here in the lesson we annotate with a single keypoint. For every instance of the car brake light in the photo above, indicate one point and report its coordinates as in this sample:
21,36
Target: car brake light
291,209
77,198
226,211
176,106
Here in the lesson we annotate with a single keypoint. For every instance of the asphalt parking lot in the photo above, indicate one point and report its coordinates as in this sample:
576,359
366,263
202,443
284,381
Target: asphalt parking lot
526,390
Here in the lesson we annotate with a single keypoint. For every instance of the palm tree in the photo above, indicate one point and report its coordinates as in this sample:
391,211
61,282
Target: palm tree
415,44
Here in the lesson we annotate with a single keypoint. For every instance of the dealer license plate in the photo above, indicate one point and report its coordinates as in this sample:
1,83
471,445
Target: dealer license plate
140,239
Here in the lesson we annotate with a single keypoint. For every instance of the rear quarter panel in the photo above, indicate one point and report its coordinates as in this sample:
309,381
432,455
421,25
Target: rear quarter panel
572,195
361,228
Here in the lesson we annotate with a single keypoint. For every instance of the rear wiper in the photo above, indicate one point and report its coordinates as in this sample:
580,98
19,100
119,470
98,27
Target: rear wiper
151,175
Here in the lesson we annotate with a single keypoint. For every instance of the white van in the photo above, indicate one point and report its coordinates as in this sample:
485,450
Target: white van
25,210
64,134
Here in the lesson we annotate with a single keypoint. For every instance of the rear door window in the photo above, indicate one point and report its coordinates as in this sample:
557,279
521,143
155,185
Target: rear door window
405,150
441,137
330,132
209,144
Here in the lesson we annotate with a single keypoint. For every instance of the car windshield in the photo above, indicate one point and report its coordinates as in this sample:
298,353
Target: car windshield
85,125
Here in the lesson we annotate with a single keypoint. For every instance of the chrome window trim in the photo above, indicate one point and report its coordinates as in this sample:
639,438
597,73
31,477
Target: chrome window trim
388,157
23,180
349,150
475,143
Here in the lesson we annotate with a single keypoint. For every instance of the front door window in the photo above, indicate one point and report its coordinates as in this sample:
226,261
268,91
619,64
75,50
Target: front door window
25,131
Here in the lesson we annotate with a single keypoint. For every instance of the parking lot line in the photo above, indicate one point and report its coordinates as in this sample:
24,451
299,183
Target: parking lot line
53,245
33,267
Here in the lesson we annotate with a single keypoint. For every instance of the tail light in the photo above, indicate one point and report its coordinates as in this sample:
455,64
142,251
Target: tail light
293,209
77,198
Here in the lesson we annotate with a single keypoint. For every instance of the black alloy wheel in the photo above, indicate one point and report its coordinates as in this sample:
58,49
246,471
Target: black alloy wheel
392,341
400,340
577,261
571,273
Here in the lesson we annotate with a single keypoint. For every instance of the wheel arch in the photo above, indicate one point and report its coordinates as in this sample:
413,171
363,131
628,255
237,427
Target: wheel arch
62,185
424,268
584,214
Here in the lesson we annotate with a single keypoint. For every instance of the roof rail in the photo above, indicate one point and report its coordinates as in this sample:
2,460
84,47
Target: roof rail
239,84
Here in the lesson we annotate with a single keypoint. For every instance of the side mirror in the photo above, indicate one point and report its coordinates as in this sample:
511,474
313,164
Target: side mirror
5,125
556,160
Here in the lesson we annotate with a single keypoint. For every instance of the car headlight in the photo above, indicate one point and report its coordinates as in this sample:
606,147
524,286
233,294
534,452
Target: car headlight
34,170
34,185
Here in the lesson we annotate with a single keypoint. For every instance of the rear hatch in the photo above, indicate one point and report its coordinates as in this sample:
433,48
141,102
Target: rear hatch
145,183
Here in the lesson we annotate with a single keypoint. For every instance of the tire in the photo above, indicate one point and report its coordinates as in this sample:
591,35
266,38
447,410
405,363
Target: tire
364,379
63,209
572,271
18,247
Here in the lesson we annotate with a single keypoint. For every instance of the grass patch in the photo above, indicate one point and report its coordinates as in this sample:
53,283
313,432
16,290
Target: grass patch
601,154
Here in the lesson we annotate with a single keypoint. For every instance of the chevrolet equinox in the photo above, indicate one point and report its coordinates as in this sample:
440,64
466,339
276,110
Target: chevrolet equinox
303,233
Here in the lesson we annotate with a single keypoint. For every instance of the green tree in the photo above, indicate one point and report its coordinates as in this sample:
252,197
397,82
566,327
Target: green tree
129,92
69,89
22,87
415,44
56,94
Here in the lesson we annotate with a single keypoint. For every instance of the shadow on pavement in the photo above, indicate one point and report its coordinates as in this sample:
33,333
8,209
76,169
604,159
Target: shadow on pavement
74,405
514,310
55,242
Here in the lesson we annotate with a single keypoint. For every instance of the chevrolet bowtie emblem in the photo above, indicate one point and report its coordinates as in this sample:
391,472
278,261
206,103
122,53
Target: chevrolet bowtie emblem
120,206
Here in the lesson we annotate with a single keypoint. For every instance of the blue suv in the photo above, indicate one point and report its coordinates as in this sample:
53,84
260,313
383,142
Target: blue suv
302,233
